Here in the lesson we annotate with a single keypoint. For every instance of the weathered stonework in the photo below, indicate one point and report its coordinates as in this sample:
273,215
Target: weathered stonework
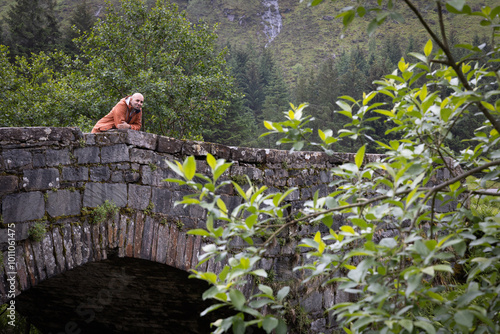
57,176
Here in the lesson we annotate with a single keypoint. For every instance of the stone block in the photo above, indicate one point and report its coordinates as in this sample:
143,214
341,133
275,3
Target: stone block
196,148
111,137
142,139
96,194
68,246
48,255
131,176
87,155
313,302
75,174
162,243
22,207
169,145
141,156
39,160
89,139
8,184
162,200
115,153
100,173
41,179
27,136
59,250
64,203
117,177
245,154
147,239
138,196
17,158
57,157
221,151
156,177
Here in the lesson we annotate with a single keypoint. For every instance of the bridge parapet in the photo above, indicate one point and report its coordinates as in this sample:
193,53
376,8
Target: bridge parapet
59,177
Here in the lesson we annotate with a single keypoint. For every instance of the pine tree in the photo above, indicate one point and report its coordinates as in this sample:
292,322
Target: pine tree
254,90
80,22
238,127
32,27
276,100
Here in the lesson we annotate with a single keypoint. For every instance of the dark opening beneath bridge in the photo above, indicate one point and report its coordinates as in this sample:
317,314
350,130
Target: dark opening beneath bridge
118,295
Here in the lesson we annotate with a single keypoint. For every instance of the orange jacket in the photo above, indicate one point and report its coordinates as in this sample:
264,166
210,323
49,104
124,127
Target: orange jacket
120,112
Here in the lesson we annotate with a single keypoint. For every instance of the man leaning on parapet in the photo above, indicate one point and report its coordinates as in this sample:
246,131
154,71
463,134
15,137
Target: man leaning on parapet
127,114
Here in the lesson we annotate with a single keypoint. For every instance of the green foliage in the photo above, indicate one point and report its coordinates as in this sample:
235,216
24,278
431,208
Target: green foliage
37,231
410,282
81,21
103,212
155,51
32,27
158,52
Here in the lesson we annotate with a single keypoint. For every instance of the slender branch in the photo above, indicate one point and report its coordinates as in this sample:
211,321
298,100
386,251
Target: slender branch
441,25
451,62
485,193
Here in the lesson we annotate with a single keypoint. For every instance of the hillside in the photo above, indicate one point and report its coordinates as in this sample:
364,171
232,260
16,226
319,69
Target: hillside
307,36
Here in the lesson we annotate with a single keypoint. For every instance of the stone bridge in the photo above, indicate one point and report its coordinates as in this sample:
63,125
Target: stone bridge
61,178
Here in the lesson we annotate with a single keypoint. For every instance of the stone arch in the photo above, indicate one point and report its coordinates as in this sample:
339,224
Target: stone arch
70,245
118,295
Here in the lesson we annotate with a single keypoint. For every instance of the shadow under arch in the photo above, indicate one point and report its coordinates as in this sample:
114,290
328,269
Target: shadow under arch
119,295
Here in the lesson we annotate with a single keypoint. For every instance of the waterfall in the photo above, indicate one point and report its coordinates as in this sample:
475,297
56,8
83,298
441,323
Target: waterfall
271,20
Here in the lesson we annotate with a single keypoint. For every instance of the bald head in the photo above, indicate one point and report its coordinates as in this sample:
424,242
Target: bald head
137,100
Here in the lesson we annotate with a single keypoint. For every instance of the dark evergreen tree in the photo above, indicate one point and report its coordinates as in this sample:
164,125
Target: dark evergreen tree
392,49
328,91
32,27
81,21
254,90
276,100
238,127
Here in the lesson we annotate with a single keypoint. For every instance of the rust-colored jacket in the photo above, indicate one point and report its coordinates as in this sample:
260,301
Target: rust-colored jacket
120,112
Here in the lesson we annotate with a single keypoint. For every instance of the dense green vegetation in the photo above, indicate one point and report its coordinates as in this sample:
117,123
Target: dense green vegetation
266,79
155,51
440,272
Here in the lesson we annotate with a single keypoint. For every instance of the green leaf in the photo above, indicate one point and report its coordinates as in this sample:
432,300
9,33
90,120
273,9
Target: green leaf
445,114
428,48
407,324
211,161
281,329
345,107
199,231
237,299
414,281
348,229
360,155
267,290
189,167
260,272
221,205
211,308
464,318
238,325
269,323
457,4
283,293
425,326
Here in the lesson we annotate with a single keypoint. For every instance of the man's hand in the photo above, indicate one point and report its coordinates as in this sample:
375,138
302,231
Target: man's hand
123,125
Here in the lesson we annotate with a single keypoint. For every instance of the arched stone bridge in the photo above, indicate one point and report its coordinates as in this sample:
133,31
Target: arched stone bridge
60,177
